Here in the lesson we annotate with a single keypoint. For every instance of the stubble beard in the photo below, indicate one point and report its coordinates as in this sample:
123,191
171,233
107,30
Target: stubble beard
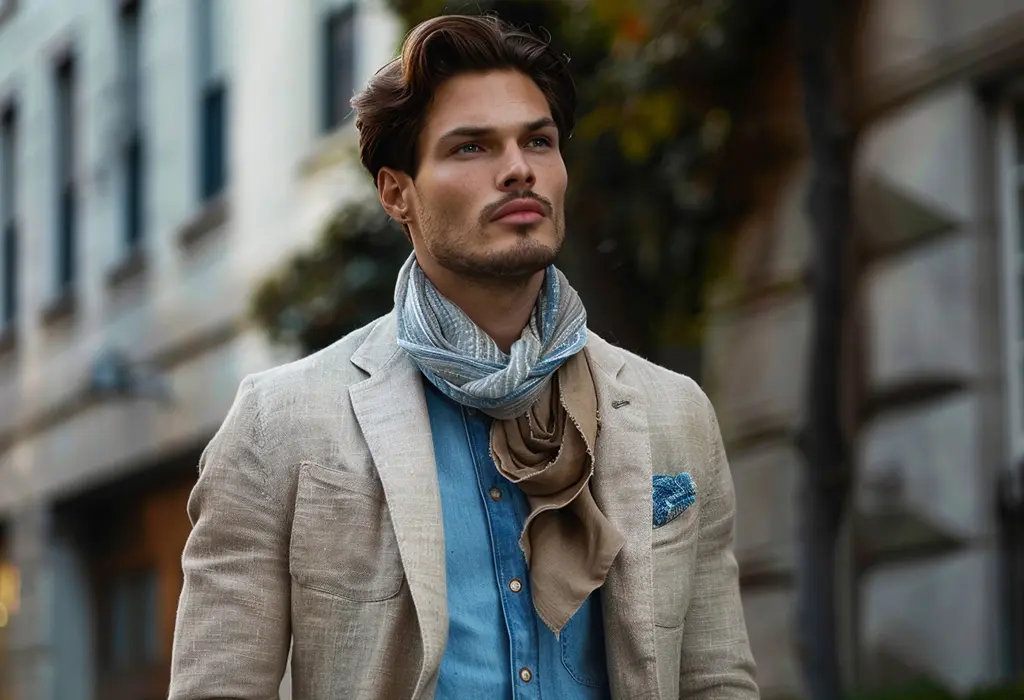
517,264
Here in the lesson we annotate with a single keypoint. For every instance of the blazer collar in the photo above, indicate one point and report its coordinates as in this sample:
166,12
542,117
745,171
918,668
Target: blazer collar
391,409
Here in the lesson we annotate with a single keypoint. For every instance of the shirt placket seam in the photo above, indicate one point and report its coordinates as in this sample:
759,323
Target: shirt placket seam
516,627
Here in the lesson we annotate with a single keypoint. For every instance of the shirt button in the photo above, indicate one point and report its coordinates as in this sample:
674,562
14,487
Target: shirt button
516,585
525,675
495,494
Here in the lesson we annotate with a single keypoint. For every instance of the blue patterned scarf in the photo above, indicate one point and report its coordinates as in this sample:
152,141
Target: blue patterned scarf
466,364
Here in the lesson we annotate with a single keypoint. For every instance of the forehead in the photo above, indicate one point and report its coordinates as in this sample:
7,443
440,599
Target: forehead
499,99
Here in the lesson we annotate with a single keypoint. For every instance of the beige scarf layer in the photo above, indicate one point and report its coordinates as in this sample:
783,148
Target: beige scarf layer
549,453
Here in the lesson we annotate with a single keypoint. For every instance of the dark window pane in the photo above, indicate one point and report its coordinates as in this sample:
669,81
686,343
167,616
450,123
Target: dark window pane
66,240
213,155
134,190
132,623
8,163
1018,121
8,222
66,148
120,625
339,66
9,274
149,616
133,185
65,83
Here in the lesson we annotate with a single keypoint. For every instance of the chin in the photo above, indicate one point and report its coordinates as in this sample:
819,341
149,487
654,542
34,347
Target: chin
518,261
526,258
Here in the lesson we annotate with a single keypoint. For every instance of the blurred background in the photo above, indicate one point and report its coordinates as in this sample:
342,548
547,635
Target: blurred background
181,205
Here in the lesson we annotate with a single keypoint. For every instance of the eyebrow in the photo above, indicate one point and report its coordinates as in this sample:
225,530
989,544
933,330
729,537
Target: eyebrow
480,131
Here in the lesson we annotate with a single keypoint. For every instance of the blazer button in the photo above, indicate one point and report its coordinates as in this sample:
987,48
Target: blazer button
495,494
515,585
525,675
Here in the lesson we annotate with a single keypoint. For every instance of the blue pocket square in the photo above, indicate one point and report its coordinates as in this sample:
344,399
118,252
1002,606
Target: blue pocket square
672,495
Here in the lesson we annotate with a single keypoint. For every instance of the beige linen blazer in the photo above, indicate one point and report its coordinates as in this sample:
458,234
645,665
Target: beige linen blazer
317,530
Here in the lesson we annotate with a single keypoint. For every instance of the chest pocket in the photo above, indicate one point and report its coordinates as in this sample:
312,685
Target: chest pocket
675,556
582,645
342,539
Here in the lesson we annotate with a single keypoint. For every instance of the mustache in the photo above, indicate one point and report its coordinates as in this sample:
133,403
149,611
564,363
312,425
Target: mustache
491,209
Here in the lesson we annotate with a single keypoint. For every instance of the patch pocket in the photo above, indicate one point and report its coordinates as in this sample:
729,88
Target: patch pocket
583,653
675,557
671,496
342,540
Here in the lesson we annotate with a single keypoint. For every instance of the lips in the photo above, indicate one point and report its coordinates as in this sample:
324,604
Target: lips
520,211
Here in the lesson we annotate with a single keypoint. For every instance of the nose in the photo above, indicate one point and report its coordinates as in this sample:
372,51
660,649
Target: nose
516,172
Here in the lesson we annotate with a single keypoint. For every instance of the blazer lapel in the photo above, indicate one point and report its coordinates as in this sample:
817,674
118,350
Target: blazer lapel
622,488
392,412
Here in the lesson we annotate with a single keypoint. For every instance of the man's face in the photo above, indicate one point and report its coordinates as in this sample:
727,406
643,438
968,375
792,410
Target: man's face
488,198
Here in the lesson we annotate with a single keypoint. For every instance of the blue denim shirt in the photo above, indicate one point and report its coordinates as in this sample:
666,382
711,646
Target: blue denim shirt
498,647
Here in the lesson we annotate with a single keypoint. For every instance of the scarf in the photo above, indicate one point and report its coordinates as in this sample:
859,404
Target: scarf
466,365
542,397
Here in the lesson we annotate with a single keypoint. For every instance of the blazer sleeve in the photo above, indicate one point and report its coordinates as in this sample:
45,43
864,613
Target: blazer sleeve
232,630
716,660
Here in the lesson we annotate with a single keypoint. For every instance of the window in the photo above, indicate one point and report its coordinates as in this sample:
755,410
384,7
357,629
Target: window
8,221
213,98
133,153
67,206
339,66
130,615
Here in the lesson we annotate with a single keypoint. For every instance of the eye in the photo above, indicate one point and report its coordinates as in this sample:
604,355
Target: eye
539,142
468,148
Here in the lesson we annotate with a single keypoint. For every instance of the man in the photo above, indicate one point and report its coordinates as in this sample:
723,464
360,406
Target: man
473,497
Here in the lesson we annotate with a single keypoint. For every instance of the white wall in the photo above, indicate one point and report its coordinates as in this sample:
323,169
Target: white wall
276,205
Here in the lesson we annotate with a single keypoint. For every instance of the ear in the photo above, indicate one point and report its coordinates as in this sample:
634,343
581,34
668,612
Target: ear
392,188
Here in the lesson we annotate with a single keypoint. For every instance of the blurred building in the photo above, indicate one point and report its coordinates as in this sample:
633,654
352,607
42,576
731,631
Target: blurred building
938,361
158,157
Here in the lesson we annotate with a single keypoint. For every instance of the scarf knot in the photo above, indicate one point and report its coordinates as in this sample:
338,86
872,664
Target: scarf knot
465,363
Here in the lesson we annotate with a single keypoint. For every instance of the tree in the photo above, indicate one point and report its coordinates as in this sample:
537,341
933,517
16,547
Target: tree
343,282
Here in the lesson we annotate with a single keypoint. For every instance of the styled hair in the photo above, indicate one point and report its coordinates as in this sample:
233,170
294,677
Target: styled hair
391,111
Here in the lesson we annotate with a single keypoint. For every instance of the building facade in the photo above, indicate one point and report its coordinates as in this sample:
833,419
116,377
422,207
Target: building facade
936,361
157,159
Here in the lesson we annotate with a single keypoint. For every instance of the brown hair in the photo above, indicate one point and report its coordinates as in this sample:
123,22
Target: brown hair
391,110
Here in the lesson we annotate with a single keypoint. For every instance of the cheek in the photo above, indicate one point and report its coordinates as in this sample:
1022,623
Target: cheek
556,181
457,200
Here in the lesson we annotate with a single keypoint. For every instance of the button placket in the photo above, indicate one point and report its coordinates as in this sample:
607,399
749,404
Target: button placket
505,519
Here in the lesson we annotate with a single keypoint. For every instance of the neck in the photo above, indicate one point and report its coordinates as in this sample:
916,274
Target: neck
500,308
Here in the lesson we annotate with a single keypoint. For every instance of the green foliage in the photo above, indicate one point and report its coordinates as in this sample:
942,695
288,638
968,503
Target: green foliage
345,281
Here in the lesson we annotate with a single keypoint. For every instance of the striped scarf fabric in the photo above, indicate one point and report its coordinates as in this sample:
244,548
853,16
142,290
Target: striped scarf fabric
465,364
